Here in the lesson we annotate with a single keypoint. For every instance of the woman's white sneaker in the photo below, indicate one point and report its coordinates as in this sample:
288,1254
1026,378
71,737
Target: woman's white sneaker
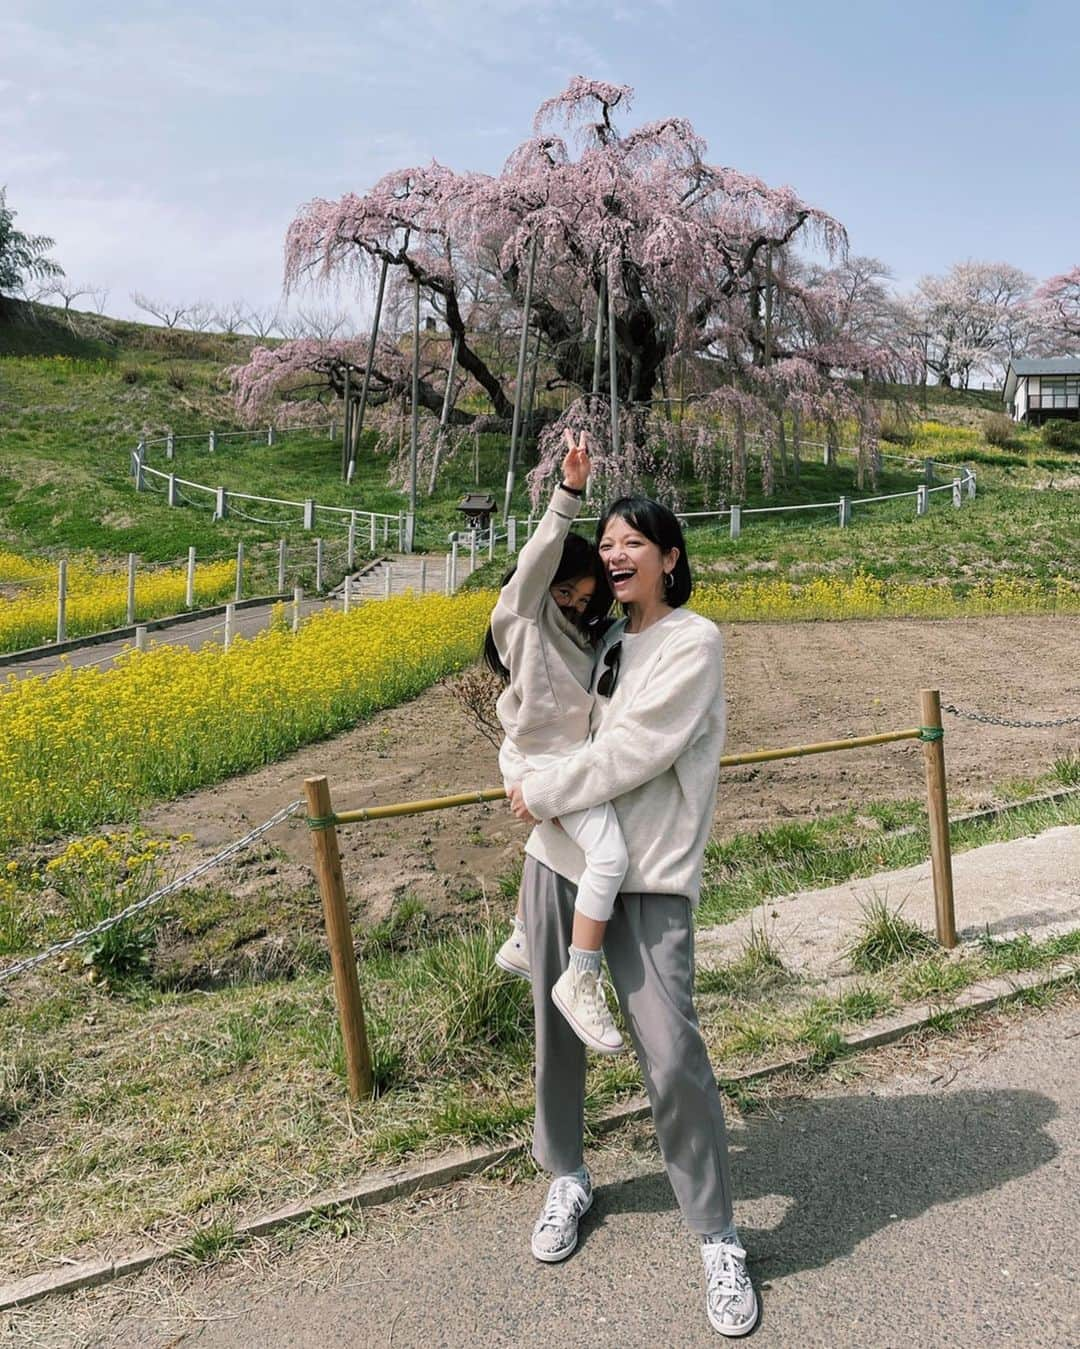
556,1232
513,955
730,1299
579,995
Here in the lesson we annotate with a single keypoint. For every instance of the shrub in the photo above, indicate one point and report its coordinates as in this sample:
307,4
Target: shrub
1059,434
130,375
176,379
1000,431
896,431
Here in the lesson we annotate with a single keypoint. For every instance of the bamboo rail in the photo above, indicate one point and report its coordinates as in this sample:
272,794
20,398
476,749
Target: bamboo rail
323,821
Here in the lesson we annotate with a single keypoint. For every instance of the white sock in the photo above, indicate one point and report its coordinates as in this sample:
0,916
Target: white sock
584,960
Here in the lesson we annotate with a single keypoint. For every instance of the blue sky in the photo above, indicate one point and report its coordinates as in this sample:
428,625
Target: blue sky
167,147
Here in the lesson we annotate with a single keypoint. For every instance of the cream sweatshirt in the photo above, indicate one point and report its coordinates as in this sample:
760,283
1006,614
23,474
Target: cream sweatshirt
654,755
546,705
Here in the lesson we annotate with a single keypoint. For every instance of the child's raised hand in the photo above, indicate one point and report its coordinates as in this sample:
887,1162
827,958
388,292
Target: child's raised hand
575,465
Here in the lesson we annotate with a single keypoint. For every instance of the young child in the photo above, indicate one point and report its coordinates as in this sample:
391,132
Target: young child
544,627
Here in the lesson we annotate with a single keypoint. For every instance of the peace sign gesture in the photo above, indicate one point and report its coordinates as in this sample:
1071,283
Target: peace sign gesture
575,465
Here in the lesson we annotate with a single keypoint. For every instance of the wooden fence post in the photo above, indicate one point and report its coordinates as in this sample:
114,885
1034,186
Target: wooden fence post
189,594
373,543
736,521
140,638
230,622
938,809
922,499
318,566
350,560
845,512
297,597
388,580
423,574
281,567
339,938
309,514
957,492
61,601
348,592
131,589
239,571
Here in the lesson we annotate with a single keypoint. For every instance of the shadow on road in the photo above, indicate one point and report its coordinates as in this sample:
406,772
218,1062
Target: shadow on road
846,1166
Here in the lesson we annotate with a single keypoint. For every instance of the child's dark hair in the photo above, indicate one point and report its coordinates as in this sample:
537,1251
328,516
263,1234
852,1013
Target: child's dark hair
661,527
579,560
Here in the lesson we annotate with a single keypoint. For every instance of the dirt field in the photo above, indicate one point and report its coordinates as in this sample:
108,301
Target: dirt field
786,684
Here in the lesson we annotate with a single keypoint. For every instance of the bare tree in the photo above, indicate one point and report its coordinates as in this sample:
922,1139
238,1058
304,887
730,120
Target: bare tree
231,317
201,316
262,322
324,324
165,312
60,288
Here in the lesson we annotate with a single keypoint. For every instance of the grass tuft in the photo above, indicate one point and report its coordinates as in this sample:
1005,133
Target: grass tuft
885,938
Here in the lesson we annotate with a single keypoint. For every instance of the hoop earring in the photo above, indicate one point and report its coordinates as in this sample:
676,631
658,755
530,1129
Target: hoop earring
669,580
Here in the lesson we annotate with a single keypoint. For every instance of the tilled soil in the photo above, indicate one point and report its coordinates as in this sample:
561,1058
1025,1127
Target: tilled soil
787,684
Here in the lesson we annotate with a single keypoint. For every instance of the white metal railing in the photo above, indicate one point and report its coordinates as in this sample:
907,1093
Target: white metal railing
377,523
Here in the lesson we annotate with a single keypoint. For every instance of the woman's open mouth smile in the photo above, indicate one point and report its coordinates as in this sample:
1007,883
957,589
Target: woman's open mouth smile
620,576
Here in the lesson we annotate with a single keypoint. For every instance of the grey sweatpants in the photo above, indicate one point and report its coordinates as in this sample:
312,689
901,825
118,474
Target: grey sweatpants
649,947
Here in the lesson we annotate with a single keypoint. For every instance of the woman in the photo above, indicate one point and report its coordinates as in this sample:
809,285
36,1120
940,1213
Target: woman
658,730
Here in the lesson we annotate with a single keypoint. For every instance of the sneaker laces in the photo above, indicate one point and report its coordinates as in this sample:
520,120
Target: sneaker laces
592,990
725,1268
566,1199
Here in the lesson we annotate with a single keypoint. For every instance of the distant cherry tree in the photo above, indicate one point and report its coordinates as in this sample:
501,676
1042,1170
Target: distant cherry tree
976,316
1057,311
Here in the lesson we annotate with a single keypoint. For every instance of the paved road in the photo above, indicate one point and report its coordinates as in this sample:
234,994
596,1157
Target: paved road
939,1206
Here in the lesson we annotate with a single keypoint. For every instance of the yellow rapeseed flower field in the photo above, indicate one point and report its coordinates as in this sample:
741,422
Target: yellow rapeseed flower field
96,600
84,746
863,596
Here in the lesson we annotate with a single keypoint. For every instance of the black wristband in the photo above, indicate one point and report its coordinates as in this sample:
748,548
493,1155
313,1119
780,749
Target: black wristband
574,491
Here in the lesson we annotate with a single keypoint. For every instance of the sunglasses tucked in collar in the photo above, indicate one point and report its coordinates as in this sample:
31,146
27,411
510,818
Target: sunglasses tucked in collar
605,685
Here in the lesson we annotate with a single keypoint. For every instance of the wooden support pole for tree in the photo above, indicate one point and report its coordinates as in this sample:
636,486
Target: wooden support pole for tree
519,385
613,371
339,938
414,428
938,807
357,430
598,339
444,417
531,397
346,438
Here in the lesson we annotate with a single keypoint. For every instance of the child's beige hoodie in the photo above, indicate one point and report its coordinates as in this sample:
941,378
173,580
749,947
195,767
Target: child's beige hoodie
545,708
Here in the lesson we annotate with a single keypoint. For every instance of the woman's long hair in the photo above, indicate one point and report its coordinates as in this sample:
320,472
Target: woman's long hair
661,527
580,561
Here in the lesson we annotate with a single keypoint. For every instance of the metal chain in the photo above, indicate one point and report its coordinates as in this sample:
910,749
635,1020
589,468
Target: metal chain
10,971
1004,721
